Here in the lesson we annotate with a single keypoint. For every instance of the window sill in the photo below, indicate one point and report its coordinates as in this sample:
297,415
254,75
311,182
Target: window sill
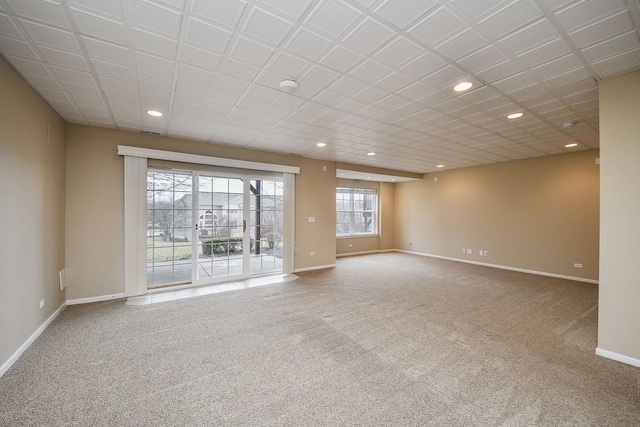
357,236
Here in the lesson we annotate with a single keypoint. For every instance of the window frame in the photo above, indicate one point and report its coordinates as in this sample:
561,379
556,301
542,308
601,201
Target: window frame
353,211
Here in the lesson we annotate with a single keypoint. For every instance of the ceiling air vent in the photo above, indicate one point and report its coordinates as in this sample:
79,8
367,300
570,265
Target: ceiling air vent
150,133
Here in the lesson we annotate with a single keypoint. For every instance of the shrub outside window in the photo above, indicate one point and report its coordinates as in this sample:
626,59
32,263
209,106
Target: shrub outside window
356,211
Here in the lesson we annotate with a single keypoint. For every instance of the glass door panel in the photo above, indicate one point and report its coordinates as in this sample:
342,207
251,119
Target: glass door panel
220,227
168,228
266,224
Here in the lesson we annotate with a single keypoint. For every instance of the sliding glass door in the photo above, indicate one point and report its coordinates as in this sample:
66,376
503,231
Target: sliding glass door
206,228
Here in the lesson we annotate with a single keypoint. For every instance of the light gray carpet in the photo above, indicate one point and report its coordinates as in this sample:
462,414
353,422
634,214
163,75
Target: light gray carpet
388,339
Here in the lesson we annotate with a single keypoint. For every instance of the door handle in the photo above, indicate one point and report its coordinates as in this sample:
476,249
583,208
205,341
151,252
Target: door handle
244,225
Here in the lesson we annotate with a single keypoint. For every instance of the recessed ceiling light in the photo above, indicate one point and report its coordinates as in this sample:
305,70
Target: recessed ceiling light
289,85
515,115
341,174
368,177
371,154
440,166
393,179
573,144
569,124
462,86
321,144
154,113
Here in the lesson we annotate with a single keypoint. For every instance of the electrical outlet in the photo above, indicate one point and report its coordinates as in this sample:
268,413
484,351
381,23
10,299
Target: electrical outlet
312,253
41,303
486,253
350,245
464,251
469,251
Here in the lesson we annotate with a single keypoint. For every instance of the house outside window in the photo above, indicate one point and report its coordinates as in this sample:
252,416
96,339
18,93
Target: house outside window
356,211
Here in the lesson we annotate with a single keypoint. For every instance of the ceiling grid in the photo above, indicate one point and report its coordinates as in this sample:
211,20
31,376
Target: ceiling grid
373,75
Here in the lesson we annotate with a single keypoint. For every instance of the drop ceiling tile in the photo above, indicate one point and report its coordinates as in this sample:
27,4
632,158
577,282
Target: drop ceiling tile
74,76
156,19
370,94
308,44
370,71
190,89
111,9
602,30
251,52
64,59
44,83
54,96
333,18
288,65
437,27
587,11
368,36
620,64
155,81
239,69
232,84
107,52
390,102
612,47
329,98
399,52
341,59
19,48
51,37
100,27
516,15
267,27
394,82
207,36
416,90
462,44
155,64
224,12
109,69
46,12
547,52
500,72
196,57
115,85
445,77
8,28
402,13
477,9
534,35
568,77
194,75
76,89
154,44
557,66
293,8
91,102
320,76
423,66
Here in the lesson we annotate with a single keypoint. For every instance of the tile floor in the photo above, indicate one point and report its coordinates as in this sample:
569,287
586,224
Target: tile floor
170,295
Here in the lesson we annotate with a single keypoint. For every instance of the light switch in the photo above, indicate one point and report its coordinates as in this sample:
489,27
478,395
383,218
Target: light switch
312,219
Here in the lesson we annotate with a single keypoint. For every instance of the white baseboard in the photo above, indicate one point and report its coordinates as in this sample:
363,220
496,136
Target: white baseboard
6,365
316,267
504,267
618,357
375,251
94,299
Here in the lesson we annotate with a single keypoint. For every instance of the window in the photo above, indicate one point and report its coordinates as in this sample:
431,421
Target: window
356,211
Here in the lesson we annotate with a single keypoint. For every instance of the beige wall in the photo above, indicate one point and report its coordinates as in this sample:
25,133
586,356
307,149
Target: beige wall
537,214
95,229
384,240
619,307
32,165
